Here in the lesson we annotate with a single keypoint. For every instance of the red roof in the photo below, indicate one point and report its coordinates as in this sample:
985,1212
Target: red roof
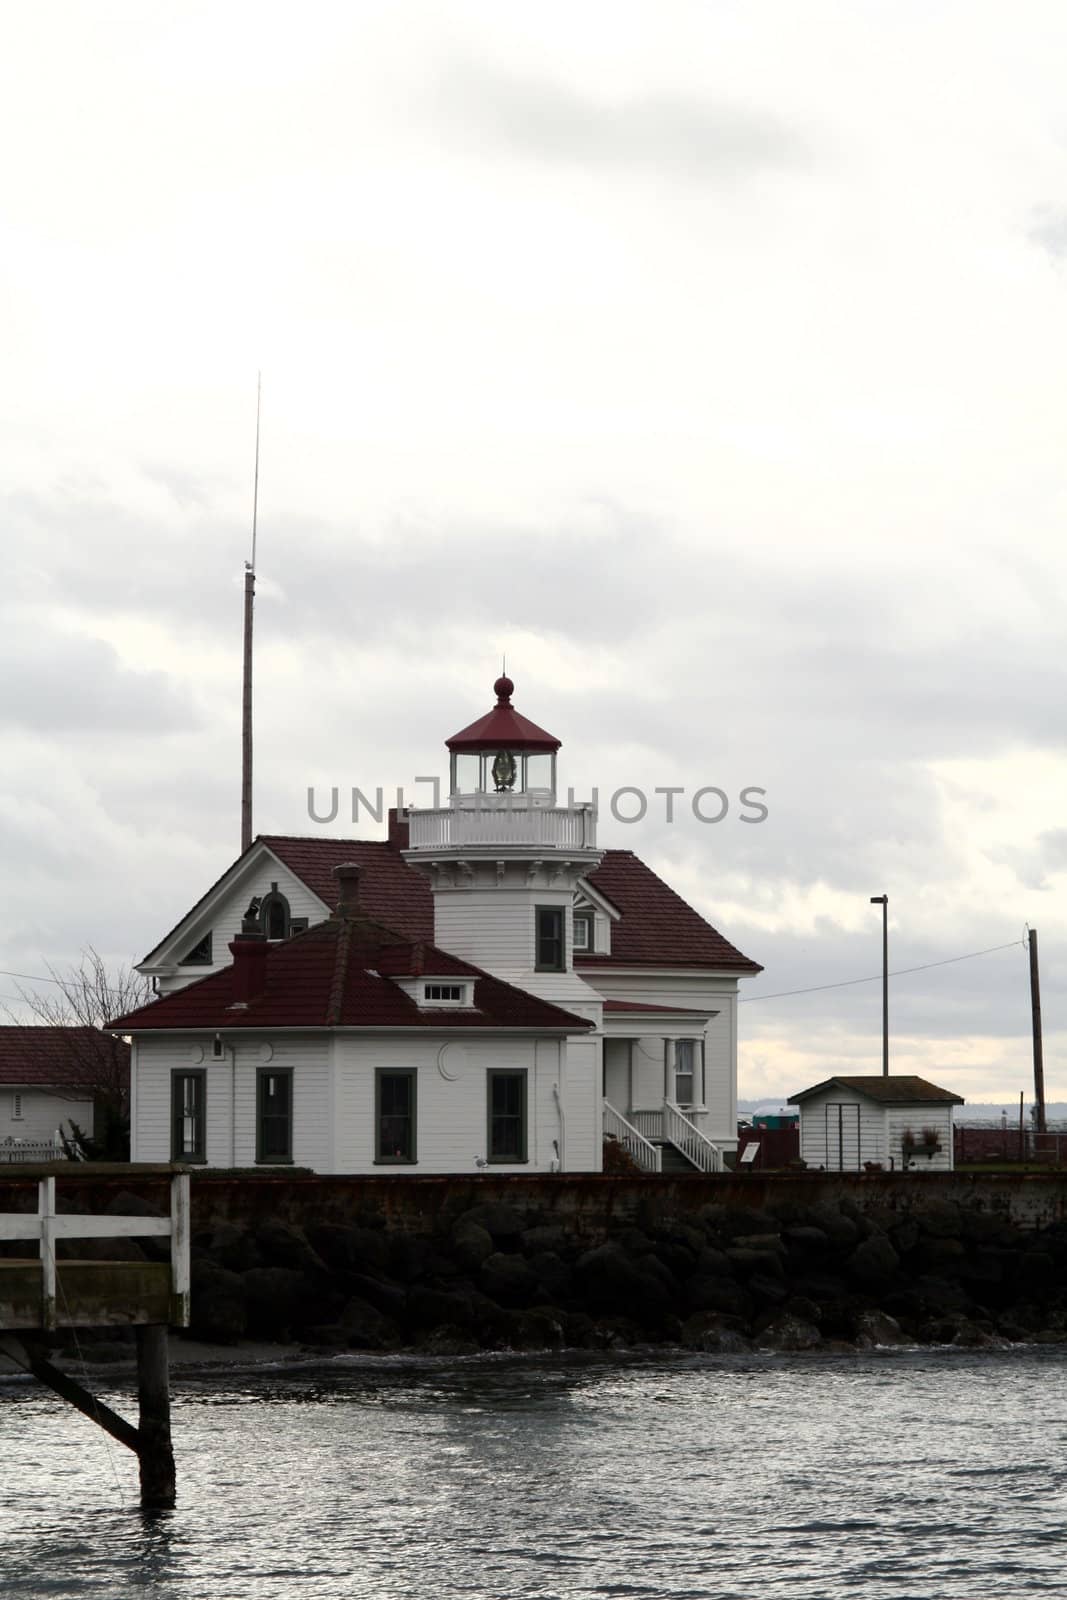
894,1089
339,974
673,1011
657,927
390,892
55,1057
503,728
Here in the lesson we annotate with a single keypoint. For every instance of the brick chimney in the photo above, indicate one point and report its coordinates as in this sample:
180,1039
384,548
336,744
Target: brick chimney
348,875
399,829
249,951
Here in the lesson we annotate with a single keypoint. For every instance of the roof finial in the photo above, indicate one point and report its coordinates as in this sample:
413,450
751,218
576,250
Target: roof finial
503,688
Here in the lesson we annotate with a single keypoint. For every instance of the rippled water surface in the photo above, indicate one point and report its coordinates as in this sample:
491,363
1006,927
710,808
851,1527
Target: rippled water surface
916,1476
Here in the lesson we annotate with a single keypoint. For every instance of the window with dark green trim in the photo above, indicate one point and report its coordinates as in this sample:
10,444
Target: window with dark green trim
395,1112
549,950
507,1114
188,1106
274,1114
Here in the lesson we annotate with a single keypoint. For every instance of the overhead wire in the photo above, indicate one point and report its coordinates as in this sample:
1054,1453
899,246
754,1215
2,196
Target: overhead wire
876,977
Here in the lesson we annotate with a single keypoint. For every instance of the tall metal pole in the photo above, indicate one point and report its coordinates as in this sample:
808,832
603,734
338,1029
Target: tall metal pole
883,901
1039,1053
246,685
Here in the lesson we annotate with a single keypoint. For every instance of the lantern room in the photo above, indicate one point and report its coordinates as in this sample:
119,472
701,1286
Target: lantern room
503,754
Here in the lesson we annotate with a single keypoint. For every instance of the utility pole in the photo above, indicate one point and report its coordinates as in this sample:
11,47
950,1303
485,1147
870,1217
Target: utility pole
246,685
1039,1054
883,901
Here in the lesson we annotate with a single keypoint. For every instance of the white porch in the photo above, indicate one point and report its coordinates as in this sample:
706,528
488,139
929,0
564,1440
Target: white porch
655,1102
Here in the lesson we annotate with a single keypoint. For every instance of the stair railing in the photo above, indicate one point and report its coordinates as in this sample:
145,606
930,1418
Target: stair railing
687,1137
647,1156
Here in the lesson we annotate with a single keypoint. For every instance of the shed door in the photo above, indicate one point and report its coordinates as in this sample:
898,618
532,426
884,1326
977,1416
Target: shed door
842,1136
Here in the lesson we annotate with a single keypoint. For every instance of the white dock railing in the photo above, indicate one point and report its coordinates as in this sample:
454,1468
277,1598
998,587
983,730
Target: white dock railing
646,1154
687,1137
48,1226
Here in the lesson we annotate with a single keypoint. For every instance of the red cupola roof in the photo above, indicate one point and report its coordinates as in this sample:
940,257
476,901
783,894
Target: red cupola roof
502,728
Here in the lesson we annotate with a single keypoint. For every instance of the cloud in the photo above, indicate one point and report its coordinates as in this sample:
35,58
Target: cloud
63,684
664,134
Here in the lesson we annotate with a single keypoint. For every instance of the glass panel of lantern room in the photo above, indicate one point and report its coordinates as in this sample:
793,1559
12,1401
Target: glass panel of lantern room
465,773
540,776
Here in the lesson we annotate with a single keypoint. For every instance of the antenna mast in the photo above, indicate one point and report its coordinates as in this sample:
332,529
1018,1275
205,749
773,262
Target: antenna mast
246,687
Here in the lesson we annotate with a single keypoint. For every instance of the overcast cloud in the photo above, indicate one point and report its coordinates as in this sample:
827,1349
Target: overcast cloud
707,360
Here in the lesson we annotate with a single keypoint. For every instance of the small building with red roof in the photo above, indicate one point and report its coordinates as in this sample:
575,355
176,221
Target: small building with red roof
485,988
49,1077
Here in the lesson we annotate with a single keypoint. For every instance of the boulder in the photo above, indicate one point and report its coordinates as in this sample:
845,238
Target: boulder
545,1236
746,1263
767,1290
509,1280
325,1336
434,1308
407,1256
365,1328
876,1328
839,1229
940,1219
349,1248
228,1245
470,1245
704,1331
217,1304
276,1302
873,1261
502,1222
281,1245
785,1332
553,1274
804,1239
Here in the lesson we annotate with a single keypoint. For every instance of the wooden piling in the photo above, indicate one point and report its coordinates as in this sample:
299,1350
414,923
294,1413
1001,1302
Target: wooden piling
154,1451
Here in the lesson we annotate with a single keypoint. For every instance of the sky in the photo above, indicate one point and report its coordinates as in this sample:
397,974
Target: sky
707,360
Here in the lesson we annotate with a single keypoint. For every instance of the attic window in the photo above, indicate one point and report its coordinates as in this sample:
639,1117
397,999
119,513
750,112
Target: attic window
16,1106
274,916
583,930
445,994
199,955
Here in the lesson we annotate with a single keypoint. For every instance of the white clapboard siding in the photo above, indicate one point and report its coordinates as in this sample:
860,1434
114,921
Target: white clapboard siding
452,1100
495,929
902,1119
864,1136
231,1082
42,1113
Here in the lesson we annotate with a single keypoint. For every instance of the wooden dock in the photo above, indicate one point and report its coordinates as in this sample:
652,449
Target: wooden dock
40,1295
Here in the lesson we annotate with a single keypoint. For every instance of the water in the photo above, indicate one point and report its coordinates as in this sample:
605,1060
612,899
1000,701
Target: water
915,1475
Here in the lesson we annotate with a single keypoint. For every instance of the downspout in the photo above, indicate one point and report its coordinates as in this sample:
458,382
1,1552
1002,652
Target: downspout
232,1049
562,1127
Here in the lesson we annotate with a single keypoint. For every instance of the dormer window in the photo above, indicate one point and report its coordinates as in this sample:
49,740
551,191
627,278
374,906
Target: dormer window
445,994
199,955
274,918
583,930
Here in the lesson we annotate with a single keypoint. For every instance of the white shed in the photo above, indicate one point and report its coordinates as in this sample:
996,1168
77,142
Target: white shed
898,1122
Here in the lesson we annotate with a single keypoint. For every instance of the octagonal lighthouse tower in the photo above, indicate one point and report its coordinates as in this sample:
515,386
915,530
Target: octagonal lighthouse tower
504,859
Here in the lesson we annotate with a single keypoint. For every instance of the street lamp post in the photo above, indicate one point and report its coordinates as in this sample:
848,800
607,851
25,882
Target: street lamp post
883,901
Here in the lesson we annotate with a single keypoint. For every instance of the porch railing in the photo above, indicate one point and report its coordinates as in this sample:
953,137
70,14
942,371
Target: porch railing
647,1156
687,1137
648,1123
12,1150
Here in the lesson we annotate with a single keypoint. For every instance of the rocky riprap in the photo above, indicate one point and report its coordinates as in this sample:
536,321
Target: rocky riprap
721,1279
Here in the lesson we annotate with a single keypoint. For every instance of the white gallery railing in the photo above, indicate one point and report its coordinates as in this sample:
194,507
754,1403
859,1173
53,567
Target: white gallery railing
646,1154
547,827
